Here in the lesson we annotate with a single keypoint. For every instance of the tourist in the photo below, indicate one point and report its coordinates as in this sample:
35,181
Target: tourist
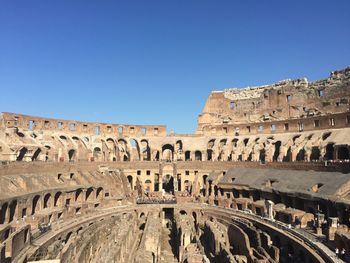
342,253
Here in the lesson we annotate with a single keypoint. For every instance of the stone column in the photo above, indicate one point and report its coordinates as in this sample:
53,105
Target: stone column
269,209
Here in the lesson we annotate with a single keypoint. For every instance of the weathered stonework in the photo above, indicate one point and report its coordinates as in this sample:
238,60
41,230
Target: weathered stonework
264,175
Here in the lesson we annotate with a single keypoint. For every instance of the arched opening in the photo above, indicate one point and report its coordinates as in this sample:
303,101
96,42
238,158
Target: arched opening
156,157
78,194
178,150
57,198
130,180
112,149
13,206
315,154
205,177
215,190
168,184
146,153
329,151
36,154
123,151
148,185
97,154
210,147
187,186
3,212
135,150
209,154
288,156
88,194
245,141
168,152
47,199
326,135
35,203
250,156
99,191
71,155
262,155
156,182
187,155
198,155
209,188
235,142
277,150
343,153
301,155
67,237
21,154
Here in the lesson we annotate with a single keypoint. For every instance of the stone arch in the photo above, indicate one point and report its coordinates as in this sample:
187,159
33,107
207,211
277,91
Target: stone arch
210,154
204,177
72,155
12,210
112,149
89,194
235,142
98,192
123,150
343,153
36,154
301,155
21,154
130,180
198,155
98,154
35,203
47,199
148,185
78,194
168,183
183,212
67,237
187,185
329,155
135,150
3,212
288,156
187,155
277,150
326,135
145,150
315,153
168,152
57,198
262,155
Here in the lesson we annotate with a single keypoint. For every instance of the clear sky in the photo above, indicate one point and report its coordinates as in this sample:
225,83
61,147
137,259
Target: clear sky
155,62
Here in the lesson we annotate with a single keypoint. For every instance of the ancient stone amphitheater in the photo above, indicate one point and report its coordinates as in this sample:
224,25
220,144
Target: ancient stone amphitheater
265,178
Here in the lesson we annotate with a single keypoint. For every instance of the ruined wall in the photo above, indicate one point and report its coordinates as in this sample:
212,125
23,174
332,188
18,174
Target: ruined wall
284,100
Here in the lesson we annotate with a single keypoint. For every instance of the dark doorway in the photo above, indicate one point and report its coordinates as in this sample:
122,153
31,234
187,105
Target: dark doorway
168,184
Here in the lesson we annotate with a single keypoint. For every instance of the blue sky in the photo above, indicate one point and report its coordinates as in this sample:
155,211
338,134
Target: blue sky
155,62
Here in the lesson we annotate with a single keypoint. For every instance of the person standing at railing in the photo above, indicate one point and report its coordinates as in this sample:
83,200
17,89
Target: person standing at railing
337,252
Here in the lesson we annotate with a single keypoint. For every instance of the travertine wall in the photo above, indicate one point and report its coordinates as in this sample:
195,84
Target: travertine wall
282,101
